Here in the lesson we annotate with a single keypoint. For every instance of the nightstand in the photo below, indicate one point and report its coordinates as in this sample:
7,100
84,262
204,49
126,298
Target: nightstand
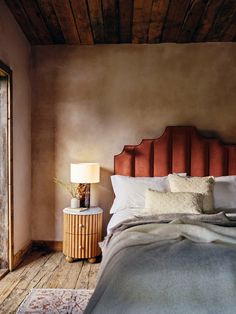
82,232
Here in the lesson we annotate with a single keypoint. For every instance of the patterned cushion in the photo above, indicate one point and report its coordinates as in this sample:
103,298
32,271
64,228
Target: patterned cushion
167,202
202,185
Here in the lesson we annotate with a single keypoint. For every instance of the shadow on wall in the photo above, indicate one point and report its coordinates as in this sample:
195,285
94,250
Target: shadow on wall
43,161
102,195
55,146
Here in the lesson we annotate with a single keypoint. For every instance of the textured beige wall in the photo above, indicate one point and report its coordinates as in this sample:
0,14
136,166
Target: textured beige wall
90,101
15,52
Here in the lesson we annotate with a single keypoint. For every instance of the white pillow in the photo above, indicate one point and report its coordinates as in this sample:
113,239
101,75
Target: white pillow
225,193
169,203
203,185
130,191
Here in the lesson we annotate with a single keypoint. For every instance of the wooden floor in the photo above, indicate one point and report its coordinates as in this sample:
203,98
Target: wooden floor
44,270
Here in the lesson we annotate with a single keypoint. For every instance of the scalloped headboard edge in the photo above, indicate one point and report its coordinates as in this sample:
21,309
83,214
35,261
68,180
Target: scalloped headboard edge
178,149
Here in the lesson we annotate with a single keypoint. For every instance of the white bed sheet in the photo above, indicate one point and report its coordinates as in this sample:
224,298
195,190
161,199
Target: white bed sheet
121,216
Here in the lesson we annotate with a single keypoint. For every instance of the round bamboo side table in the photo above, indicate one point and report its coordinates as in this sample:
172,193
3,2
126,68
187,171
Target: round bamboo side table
82,233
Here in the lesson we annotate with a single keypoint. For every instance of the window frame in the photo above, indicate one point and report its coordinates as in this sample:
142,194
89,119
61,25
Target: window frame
8,72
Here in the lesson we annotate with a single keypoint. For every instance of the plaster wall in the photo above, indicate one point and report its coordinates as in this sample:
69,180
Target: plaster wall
15,52
88,101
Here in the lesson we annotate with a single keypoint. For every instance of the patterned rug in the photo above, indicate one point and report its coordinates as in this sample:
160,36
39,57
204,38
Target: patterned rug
63,301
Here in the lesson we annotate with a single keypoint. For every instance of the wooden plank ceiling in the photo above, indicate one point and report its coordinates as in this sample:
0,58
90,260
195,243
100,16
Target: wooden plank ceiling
125,21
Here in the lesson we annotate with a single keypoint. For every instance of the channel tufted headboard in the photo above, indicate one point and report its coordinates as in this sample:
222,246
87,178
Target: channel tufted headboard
179,149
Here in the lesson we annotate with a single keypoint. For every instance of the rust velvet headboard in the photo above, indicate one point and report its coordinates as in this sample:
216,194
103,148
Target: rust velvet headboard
179,149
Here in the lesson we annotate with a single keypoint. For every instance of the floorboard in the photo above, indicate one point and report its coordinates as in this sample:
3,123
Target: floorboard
42,269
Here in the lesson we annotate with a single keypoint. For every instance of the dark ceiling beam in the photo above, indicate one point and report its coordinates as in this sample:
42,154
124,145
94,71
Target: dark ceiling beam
34,14
126,19
224,18
110,21
96,19
80,12
51,21
66,20
230,32
191,20
175,16
207,20
158,15
141,21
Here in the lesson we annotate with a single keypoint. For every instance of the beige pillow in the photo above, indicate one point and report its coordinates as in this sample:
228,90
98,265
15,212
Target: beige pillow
167,202
203,185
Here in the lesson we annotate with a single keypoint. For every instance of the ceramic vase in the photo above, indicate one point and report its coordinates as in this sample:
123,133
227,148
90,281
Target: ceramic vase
74,203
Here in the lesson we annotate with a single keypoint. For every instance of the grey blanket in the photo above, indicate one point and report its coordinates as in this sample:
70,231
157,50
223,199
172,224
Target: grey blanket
185,266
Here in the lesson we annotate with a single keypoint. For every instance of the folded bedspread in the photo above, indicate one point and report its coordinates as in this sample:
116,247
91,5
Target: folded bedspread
185,266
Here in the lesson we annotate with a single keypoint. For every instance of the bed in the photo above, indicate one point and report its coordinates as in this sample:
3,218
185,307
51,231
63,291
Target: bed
172,262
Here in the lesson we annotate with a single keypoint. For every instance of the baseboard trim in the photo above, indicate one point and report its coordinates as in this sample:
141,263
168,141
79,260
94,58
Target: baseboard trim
19,256
39,244
3,273
48,245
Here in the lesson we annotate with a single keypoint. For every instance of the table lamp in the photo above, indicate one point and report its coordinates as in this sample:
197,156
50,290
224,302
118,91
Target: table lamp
84,174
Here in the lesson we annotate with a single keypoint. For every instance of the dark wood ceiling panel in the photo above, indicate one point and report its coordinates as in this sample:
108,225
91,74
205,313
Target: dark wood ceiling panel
158,15
33,12
96,19
230,32
174,19
110,21
141,20
51,20
207,20
225,16
191,20
82,20
126,18
21,17
125,21
66,20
